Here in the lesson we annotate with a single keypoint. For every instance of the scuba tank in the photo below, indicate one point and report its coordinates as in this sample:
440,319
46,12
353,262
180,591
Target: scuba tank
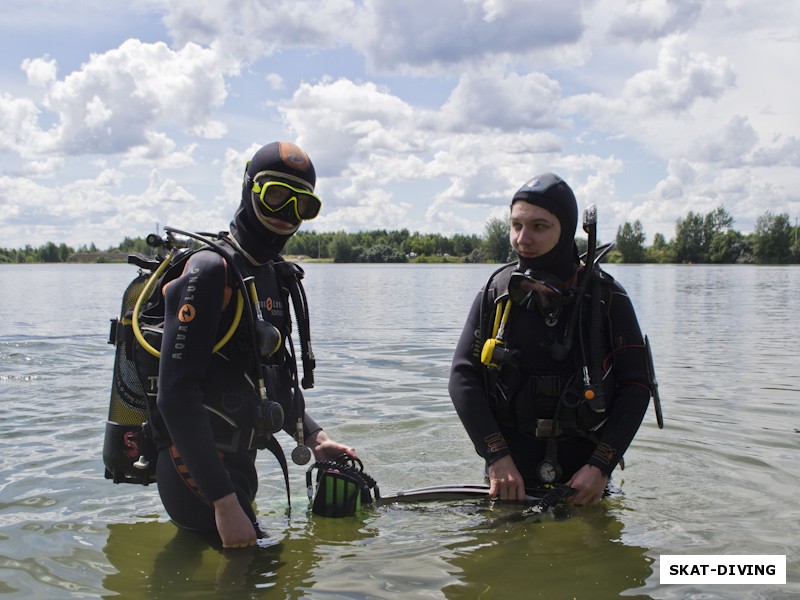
128,450
129,447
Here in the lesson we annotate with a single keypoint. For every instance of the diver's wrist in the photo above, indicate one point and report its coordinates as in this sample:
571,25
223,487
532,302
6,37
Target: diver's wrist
315,438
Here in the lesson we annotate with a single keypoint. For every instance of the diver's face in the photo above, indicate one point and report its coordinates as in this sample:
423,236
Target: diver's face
534,230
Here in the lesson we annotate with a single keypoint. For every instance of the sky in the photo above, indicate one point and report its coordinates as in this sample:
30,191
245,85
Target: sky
117,118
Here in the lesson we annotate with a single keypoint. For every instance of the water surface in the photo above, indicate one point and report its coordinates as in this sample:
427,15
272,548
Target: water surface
719,479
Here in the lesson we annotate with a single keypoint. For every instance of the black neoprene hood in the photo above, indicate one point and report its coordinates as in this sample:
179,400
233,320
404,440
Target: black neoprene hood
280,161
553,194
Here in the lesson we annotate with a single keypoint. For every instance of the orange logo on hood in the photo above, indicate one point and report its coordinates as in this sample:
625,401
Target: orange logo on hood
293,156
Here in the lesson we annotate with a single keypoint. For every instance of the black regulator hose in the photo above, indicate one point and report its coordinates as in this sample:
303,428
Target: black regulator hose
290,274
302,317
560,350
594,384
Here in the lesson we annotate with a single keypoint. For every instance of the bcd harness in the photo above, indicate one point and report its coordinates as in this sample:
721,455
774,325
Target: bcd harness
571,392
134,428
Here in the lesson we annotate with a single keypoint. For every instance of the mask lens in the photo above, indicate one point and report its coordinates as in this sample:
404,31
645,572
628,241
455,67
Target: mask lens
532,290
308,206
276,196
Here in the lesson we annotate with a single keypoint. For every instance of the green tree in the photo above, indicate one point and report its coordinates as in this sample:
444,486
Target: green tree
660,251
689,238
341,248
463,245
728,248
630,242
694,234
772,239
383,253
48,253
429,244
134,246
496,243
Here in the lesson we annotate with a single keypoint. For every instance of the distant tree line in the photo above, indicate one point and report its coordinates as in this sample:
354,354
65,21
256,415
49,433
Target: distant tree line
711,239
698,238
52,253
381,246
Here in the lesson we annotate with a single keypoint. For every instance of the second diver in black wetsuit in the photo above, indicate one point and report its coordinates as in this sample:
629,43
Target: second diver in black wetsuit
547,393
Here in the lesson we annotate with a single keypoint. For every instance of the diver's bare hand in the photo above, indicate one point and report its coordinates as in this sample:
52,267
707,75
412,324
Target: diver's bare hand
325,448
505,482
589,484
233,525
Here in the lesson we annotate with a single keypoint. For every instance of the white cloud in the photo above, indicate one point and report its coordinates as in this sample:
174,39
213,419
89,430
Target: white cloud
785,151
255,28
678,82
344,122
275,81
19,125
485,98
97,113
97,209
730,147
40,71
160,150
681,78
42,169
420,36
210,130
640,20
119,100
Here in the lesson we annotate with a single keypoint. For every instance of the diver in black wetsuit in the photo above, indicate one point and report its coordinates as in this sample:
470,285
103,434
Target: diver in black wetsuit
520,378
208,484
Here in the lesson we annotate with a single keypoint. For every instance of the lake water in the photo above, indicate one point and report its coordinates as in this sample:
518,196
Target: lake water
720,478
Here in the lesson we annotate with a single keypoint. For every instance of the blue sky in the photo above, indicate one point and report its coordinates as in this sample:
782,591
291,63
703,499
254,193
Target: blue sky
117,116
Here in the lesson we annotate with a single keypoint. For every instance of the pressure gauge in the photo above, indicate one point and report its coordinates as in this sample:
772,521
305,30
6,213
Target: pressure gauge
548,472
301,454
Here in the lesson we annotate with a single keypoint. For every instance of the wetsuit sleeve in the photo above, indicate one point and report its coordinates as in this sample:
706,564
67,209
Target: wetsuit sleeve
468,393
193,306
632,391
310,426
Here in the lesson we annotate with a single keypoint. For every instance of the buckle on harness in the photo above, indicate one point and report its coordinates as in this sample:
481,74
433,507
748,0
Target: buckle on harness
545,428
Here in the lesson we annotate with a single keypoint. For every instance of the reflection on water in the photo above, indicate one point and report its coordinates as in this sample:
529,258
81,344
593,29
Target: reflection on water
467,550
156,560
581,557
719,479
